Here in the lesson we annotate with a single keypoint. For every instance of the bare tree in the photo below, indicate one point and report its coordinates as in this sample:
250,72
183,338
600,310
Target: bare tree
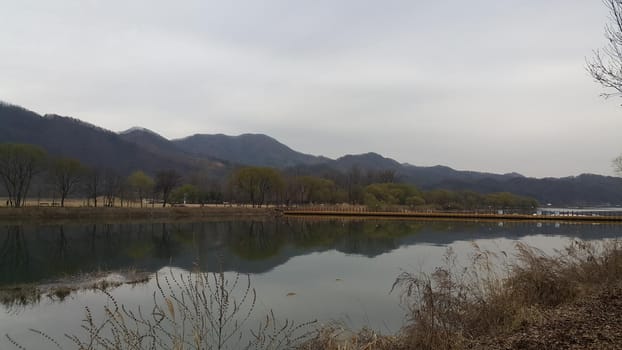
166,180
66,174
18,164
93,184
112,185
606,64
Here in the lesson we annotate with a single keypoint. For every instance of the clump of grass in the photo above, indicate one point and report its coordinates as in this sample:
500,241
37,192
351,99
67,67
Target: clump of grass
335,337
274,334
19,296
60,293
104,284
494,295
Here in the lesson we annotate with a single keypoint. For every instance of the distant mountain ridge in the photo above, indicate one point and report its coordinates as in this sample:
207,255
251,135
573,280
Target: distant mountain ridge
248,149
218,155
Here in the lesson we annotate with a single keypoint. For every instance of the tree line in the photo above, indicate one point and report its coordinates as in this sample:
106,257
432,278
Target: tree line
21,164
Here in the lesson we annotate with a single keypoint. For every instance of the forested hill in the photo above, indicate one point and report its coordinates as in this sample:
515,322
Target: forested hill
218,155
249,149
581,190
92,145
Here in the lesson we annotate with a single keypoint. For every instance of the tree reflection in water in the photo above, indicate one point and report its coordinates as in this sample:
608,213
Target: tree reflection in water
14,253
32,253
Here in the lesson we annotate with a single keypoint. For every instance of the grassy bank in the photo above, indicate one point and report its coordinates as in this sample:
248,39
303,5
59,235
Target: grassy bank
103,213
570,300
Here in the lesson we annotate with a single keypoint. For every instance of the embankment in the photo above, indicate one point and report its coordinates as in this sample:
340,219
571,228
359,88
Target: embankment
453,215
28,214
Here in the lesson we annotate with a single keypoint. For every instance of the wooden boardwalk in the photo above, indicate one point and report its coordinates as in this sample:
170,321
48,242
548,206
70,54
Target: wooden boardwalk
454,215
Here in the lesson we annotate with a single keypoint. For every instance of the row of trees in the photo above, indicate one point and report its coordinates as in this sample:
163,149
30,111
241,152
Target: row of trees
387,195
259,186
20,164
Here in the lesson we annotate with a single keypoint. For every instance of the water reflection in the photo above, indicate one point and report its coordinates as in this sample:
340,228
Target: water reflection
302,269
34,253
13,251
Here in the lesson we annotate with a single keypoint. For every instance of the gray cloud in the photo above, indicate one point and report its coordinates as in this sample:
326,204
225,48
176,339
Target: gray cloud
483,85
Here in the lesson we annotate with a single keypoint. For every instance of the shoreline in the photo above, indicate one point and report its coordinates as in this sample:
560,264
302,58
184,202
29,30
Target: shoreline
28,214
38,214
452,216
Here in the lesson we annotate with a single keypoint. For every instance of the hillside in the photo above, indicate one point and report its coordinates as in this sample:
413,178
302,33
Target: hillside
92,145
217,155
585,189
157,144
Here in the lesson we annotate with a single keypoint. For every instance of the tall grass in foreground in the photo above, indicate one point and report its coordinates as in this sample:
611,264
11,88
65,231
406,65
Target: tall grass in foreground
495,295
190,311
447,309
492,296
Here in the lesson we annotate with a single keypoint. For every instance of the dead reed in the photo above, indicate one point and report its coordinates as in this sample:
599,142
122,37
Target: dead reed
193,310
495,294
454,306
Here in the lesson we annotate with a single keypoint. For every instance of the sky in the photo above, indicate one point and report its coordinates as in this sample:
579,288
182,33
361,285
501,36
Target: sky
497,86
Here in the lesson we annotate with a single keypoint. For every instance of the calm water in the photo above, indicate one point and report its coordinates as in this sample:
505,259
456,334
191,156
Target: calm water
302,269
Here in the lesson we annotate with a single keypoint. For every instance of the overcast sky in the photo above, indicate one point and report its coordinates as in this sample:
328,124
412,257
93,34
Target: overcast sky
489,85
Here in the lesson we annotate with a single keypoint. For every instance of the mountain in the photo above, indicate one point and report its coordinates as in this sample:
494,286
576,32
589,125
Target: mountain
157,144
436,176
151,141
92,145
367,161
140,148
585,189
424,177
248,149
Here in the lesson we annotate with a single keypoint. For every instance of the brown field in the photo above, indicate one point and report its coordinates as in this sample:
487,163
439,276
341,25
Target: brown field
76,210
83,202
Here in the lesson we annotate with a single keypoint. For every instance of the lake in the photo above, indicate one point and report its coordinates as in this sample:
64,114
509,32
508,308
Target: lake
302,269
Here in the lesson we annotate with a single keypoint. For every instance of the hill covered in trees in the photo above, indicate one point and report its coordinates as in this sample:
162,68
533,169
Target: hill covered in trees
90,144
215,157
248,149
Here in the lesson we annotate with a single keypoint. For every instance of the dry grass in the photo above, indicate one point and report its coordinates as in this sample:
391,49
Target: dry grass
495,295
90,214
335,337
19,296
190,311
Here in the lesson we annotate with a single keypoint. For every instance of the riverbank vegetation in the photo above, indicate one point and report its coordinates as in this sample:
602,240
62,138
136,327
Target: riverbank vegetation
194,310
14,297
569,300
29,176
524,299
391,196
88,214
